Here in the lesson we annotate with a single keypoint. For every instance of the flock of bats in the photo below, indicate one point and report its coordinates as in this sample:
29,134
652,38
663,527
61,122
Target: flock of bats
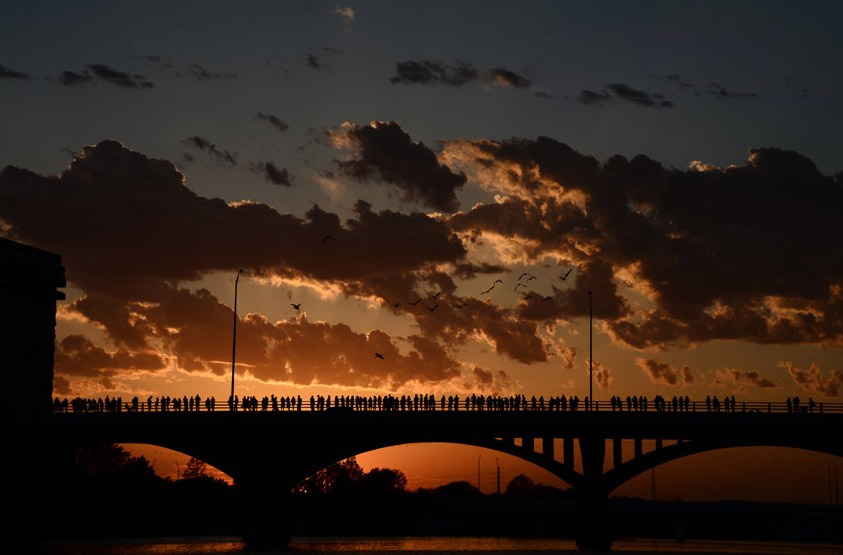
519,283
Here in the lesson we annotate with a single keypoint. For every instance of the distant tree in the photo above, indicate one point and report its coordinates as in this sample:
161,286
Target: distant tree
195,469
380,481
103,459
339,478
458,489
521,486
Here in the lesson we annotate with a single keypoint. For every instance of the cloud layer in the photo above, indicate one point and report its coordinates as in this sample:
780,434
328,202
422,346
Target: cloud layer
384,151
456,74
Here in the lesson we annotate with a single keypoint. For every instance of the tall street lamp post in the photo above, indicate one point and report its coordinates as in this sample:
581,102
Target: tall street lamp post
234,337
590,373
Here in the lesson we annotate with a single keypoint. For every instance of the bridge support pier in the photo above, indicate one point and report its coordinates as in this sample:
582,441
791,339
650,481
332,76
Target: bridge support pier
594,533
267,524
267,496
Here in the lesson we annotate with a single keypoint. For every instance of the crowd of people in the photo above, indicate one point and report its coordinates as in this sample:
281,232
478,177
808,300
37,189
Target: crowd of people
412,403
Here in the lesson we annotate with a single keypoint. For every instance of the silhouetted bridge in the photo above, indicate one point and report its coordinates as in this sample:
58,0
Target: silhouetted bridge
268,452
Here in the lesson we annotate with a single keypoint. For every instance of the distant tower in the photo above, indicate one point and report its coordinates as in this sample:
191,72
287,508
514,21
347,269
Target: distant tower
29,278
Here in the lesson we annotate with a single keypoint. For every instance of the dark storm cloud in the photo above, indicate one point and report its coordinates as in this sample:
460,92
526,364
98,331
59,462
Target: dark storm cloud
664,373
456,74
275,175
639,97
120,78
385,151
71,79
221,156
814,379
273,120
745,252
9,73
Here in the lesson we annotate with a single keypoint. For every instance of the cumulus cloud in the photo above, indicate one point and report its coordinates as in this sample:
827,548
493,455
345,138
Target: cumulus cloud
9,73
383,150
720,229
664,373
165,233
742,379
195,328
456,74
273,120
77,355
814,379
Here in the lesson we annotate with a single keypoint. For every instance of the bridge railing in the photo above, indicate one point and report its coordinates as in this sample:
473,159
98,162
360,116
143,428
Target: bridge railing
94,406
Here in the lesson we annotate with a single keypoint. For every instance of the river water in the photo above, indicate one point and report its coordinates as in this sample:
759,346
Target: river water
177,546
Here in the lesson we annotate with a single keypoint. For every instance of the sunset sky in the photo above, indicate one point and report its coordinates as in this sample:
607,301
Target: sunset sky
682,159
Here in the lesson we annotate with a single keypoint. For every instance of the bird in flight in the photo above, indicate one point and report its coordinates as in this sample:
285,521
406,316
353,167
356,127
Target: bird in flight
326,238
498,281
487,290
378,355
417,301
436,296
396,305
519,285
433,308
548,298
564,276
457,305
296,306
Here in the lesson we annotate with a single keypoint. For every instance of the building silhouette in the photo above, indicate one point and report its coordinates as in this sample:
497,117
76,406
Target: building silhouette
29,279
